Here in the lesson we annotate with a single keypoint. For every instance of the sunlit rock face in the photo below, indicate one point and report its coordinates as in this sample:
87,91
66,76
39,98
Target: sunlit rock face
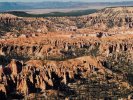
49,56
40,76
113,20
43,75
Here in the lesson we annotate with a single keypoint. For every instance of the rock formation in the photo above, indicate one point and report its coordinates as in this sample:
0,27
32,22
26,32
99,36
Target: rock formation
38,55
38,76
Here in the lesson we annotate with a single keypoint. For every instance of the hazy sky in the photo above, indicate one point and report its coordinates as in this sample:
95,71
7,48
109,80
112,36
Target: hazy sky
62,0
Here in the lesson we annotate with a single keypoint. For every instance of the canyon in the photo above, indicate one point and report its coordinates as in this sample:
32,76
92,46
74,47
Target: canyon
60,56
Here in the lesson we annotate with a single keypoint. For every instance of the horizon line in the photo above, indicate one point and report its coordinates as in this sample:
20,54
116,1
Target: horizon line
63,1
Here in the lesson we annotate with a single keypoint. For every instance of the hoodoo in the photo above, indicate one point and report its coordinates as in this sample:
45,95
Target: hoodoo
88,56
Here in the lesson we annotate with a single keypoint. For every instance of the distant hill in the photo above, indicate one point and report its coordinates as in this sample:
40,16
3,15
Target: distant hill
5,6
54,14
38,5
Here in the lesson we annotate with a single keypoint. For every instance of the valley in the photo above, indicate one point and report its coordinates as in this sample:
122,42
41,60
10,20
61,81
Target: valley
65,57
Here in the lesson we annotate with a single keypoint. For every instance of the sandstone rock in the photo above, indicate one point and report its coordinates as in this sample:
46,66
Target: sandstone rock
22,86
74,48
13,67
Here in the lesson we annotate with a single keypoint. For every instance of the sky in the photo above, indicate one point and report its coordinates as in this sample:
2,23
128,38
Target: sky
62,0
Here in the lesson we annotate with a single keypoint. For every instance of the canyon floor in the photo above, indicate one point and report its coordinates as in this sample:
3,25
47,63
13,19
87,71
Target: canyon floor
87,57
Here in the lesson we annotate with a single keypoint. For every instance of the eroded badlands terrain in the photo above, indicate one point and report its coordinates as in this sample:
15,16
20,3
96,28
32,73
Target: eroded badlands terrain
86,57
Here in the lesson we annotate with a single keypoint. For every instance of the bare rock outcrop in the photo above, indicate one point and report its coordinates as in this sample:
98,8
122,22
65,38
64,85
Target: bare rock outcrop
41,75
40,54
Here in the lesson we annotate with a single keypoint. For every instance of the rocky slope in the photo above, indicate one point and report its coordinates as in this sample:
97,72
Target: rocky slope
48,56
108,20
22,79
115,18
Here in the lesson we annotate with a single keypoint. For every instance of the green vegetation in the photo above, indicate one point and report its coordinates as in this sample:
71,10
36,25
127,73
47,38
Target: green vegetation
121,63
74,52
110,24
71,53
54,14
4,60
